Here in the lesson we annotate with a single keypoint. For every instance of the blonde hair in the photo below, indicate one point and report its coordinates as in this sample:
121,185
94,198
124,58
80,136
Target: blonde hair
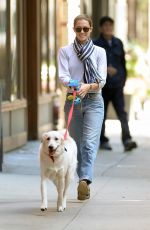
83,17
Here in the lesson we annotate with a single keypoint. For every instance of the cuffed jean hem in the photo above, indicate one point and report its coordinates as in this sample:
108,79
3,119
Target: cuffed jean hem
86,178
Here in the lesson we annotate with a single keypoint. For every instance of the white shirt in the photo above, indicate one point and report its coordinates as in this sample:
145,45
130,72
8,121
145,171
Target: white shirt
71,67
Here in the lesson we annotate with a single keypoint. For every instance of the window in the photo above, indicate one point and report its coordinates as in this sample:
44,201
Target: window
47,41
3,49
9,42
142,23
44,48
52,50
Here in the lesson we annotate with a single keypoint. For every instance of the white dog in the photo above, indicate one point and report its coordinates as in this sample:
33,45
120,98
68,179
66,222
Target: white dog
58,160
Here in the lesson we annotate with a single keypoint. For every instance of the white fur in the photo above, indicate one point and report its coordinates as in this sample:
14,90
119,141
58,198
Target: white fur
60,169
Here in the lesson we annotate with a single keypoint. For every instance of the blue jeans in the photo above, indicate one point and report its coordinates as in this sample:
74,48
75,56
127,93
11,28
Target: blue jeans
85,128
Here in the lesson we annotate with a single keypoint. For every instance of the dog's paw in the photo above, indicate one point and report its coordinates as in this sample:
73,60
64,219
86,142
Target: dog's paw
60,209
64,203
43,209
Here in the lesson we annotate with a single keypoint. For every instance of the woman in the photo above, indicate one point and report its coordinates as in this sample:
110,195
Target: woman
86,63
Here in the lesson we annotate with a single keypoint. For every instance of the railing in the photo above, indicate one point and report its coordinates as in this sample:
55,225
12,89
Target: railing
1,131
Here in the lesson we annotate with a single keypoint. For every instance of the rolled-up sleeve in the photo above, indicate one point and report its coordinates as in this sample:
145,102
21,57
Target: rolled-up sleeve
102,66
63,67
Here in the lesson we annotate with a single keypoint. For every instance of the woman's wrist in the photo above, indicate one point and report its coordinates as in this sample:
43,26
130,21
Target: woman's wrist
93,86
90,87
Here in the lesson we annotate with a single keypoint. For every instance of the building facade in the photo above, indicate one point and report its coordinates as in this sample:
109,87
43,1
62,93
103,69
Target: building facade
31,32
29,40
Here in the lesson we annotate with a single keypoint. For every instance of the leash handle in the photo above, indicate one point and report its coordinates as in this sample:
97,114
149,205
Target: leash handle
70,114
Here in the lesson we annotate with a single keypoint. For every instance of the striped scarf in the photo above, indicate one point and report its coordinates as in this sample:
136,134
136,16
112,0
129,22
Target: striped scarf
84,52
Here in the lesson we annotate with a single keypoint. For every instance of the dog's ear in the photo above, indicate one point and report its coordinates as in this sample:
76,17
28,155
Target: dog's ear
62,138
44,137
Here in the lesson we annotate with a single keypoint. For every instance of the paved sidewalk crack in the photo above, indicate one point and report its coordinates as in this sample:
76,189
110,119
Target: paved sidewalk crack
76,215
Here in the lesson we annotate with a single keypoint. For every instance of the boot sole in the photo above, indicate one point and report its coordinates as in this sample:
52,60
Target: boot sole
130,147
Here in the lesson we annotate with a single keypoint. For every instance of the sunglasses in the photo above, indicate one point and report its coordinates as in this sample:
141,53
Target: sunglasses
79,29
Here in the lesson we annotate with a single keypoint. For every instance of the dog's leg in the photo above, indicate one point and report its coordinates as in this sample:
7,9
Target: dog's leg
68,179
44,194
60,189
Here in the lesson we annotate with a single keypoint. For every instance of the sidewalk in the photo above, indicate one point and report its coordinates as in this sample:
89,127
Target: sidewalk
120,193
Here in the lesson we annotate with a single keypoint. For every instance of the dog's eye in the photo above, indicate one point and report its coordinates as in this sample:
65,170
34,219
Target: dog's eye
48,138
56,138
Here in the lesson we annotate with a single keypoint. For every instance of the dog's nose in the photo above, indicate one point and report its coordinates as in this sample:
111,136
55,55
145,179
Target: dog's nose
50,147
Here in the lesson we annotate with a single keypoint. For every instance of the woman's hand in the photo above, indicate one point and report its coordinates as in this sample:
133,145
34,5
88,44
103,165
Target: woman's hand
84,89
111,71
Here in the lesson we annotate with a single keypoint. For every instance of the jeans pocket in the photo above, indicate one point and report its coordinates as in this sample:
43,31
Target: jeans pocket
95,97
97,100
